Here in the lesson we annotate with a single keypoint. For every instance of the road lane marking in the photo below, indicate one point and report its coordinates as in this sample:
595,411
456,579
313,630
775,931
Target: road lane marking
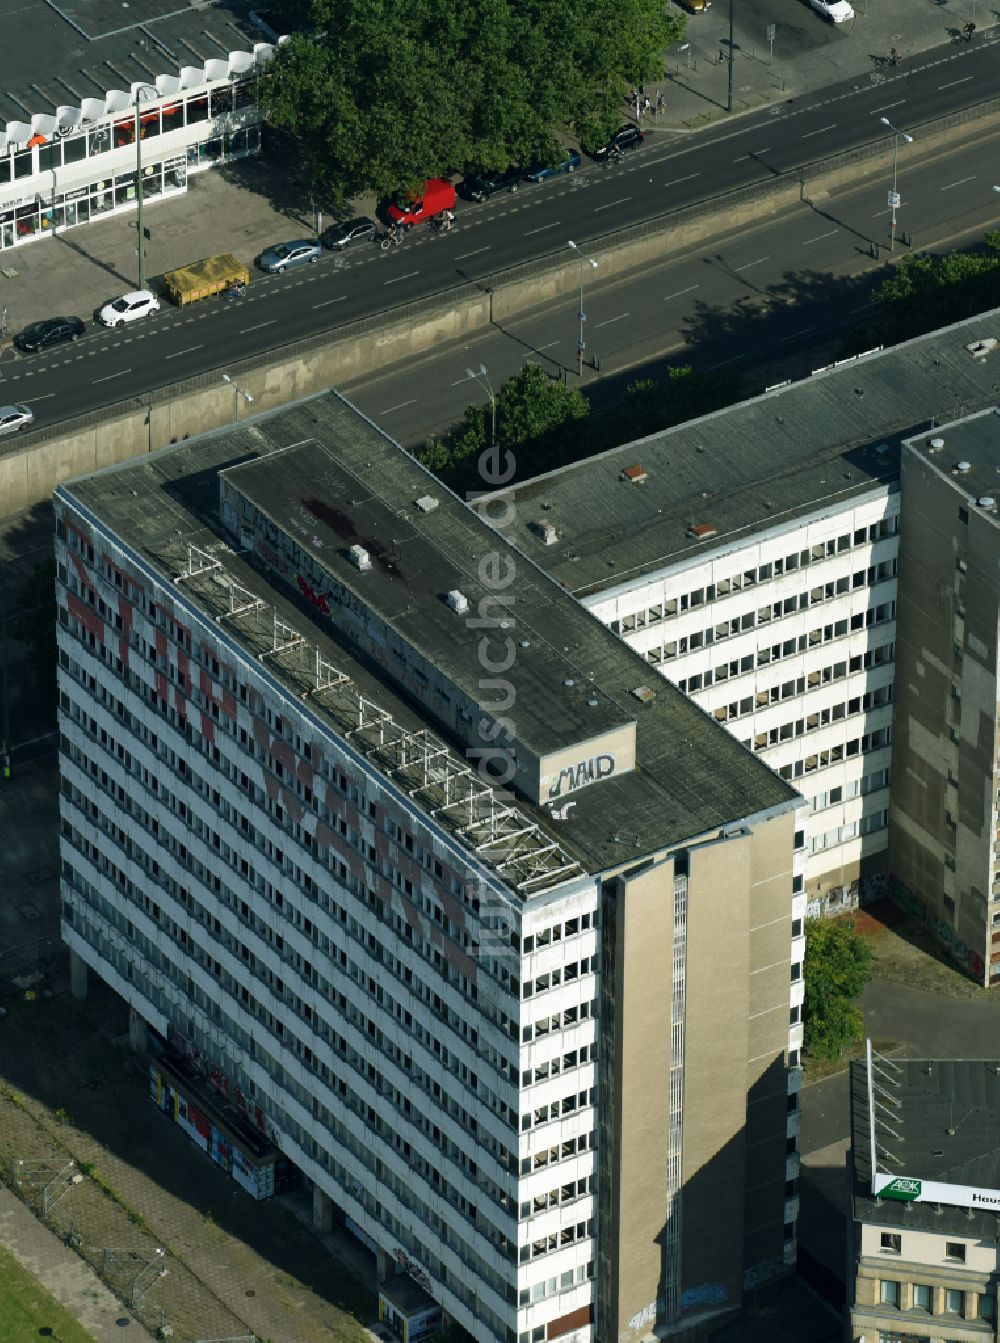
679,292
677,180
961,182
822,131
190,350
259,327
109,376
408,276
759,262
538,349
820,236
879,213
608,320
413,402
889,106
46,397
611,204
478,252
327,301
954,82
543,228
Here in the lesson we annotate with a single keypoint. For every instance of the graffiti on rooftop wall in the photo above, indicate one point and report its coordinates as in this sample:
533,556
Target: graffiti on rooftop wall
578,776
706,1294
643,1317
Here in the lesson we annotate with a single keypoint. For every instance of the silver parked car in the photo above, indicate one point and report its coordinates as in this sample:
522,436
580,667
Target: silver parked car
284,255
13,418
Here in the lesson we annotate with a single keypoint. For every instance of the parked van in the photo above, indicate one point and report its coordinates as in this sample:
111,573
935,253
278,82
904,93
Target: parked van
436,197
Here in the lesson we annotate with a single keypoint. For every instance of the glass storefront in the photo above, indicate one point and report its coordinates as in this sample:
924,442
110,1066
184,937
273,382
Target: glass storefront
86,203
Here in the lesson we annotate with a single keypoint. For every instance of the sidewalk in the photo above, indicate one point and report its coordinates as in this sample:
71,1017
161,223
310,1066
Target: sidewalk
70,1090
809,53
63,1274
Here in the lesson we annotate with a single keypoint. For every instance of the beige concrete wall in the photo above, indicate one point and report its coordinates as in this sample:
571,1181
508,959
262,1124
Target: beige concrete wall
643,976
716,1041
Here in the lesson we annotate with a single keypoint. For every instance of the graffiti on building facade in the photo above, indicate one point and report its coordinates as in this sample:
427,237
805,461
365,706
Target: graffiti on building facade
578,776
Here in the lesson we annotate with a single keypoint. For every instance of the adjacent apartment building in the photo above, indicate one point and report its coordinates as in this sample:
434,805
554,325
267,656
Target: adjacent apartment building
96,99
753,559
490,930
923,1250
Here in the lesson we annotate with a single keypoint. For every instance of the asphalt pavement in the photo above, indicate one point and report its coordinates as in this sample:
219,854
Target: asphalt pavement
669,171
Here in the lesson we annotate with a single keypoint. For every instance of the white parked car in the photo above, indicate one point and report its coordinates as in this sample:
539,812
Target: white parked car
13,418
129,308
837,11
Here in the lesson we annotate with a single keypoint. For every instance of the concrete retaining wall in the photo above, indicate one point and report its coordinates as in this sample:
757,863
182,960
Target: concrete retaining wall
30,470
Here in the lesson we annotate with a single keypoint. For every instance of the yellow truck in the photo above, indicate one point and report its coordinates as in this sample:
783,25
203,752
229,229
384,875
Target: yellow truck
203,278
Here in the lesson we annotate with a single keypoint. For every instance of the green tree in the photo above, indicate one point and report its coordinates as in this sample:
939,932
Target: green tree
536,417
33,624
837,968
384,93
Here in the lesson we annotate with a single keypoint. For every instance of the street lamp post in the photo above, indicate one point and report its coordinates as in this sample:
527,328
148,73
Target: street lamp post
239,393
142,92
483,379
732,48
581,344
894,195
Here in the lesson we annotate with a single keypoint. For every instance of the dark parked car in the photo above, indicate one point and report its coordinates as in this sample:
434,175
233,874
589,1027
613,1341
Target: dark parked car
625,138
339,236
480,186
50,331
539,172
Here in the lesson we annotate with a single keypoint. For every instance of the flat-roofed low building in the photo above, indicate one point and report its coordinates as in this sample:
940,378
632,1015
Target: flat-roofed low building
924,1222
521,1013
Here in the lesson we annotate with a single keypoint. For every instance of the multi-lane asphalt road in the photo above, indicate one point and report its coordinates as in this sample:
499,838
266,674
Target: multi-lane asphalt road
669,171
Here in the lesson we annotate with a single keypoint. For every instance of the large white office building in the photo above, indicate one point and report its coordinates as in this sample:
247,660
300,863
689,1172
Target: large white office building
525,1026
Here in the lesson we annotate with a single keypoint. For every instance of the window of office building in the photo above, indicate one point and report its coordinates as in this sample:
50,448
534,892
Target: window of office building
891,1242
921,1296
954,1301
889,1292
954,1249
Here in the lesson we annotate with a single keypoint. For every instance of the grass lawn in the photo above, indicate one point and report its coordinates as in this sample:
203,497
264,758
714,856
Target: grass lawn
26,1308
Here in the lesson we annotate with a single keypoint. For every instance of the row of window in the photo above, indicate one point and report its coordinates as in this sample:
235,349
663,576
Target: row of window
153,121
544,1071
546,937
833,713
869,741
763,573
540,1291
956,1302
558,1021
562,974
690,643
558,1109
847,792
842,834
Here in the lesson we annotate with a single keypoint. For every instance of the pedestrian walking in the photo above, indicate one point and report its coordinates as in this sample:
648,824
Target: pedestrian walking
645,105
660,102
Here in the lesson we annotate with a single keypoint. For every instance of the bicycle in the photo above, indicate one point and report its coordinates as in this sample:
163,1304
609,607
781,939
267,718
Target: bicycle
234,291
391,239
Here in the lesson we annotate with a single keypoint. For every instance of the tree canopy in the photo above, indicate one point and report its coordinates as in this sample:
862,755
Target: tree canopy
837,968
382,94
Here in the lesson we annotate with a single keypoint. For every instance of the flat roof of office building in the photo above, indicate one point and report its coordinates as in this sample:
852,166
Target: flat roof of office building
966,454
763,463
58,55
945,1115
691,777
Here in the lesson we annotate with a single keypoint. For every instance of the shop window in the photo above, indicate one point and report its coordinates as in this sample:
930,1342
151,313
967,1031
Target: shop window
24,163
172,116
149,124
74,149
125,132
210,151
26,220
124,189
101,201
174,174
236,144
197,109
100,140
244,93
49,157
5,168
222,100
152,183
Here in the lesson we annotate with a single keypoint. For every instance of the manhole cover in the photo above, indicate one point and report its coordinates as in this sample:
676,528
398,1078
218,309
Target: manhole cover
28,912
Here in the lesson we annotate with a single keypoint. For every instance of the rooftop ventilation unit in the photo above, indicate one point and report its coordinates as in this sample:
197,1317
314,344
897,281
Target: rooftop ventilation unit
701,531
546,531
427,503
636,475
458,601
987,502
979,349
643,693
936,444
962,468
360,558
